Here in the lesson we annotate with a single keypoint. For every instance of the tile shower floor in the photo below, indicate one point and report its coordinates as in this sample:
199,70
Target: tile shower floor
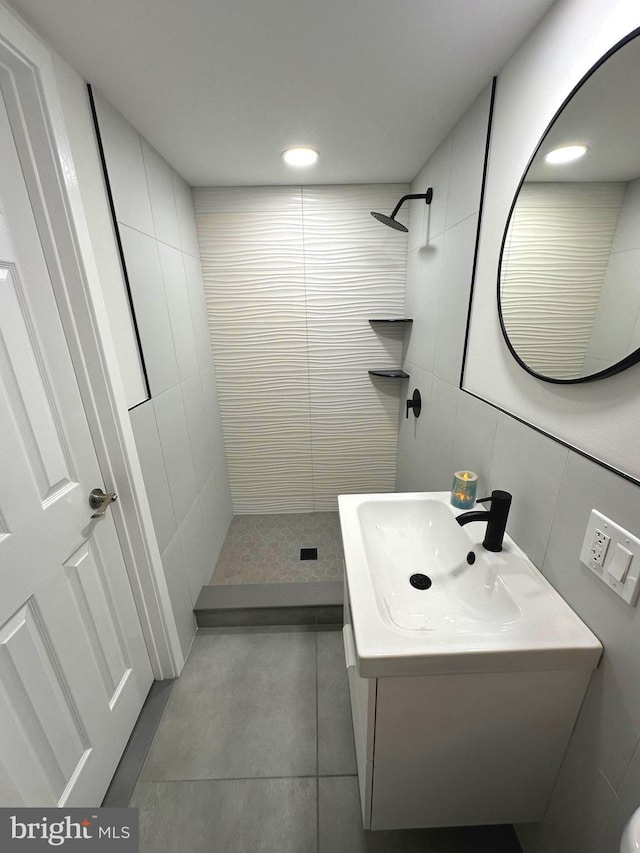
266,549
254,754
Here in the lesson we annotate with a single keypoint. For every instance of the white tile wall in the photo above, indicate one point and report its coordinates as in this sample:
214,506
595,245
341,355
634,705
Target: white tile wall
185,212
474,439
574,815
179,310
457,268
467,163
127,178
176,450
418,211
413,432
163,209
151,309
200,324
425,264
193,539
145,430
439,416
199,428
178,586
535,485
554,490
178,432
438,174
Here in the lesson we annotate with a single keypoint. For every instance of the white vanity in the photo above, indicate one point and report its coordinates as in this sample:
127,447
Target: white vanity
464,693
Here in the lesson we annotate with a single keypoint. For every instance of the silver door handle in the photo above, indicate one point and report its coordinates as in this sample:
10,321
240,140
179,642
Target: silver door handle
100,501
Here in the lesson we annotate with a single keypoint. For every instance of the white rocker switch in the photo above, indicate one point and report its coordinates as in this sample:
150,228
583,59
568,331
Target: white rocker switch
620,563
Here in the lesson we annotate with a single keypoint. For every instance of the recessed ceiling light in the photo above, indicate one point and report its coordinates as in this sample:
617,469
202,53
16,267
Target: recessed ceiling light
565,154
300,156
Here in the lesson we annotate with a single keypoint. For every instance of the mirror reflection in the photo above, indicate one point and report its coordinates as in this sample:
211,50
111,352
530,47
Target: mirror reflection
569,286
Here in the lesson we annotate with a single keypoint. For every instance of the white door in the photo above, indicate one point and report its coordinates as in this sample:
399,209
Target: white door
74,670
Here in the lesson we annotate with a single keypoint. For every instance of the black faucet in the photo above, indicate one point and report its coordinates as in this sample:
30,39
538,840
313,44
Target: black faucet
496,518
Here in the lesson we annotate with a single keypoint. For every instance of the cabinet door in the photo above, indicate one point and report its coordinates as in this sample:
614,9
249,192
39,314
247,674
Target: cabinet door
474,748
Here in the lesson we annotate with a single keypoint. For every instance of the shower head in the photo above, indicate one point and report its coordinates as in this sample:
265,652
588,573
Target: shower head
391,220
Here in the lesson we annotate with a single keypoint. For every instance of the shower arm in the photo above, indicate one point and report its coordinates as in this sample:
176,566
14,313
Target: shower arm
427,196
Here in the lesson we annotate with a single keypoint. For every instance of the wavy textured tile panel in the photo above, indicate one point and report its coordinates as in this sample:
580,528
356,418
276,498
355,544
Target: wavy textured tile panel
289,292
246,199
381,197
262,350
245,506
234,245
338,343
554,267
370,290
351,240
550,194
354,428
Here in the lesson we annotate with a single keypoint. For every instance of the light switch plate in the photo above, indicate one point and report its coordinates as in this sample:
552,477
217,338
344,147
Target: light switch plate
601,531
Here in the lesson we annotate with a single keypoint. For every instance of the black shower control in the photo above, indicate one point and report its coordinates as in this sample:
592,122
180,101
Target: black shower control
415,403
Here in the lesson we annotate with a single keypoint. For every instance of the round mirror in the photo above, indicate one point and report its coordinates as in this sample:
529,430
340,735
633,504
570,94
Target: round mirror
569,278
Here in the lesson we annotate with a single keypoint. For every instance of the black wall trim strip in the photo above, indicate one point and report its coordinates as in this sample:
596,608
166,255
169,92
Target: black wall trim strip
116,232
555,438
485,168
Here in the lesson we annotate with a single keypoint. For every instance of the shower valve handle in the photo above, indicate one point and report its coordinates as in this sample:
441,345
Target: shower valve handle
415,403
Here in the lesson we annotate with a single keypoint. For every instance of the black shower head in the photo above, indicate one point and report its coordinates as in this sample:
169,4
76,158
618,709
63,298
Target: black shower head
391,220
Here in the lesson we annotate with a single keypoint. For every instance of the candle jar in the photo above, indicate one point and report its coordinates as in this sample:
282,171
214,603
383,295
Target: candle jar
463,491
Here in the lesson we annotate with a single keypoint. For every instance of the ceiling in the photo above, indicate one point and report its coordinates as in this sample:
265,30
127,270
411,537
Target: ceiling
222,87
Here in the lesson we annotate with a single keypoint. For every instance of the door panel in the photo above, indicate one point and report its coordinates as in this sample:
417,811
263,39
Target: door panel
74,670
91,596
30,402
40,720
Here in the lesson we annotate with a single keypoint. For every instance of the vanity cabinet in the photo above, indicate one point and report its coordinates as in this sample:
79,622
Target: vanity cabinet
461,748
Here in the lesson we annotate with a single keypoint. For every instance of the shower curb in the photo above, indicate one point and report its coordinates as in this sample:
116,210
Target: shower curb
312,603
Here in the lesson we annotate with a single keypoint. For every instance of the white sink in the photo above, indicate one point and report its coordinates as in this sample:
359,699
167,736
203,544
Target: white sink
484,611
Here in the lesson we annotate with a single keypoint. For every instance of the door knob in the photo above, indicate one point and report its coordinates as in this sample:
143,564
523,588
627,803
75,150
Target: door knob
100,501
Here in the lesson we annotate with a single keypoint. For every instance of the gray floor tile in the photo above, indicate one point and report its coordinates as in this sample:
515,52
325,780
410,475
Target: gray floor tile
340,829
244,706
237,816
336,751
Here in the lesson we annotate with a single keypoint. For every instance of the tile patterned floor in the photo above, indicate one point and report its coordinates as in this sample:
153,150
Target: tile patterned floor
266,549
255,754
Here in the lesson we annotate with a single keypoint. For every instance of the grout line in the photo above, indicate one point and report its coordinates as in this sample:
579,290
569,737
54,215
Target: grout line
250,778
317,756
308,348
556,504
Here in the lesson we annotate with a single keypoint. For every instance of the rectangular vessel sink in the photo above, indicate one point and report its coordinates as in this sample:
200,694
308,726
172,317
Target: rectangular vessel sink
480,611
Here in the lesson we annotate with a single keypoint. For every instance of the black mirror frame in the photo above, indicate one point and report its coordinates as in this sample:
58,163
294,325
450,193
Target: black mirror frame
633,357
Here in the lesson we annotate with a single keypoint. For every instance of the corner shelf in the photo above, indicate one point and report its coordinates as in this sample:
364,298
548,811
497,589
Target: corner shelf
390,374
400,320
